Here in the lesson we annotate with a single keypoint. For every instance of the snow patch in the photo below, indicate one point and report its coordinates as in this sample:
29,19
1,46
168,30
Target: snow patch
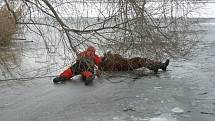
159,119
177,110
163,117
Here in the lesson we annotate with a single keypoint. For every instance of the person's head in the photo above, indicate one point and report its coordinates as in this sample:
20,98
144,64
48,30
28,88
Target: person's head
91,49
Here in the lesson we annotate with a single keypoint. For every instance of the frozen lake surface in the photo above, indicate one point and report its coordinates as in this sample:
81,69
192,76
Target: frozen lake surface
186,92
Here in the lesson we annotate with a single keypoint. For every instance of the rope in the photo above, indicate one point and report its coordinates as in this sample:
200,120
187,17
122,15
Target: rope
26,78
89,63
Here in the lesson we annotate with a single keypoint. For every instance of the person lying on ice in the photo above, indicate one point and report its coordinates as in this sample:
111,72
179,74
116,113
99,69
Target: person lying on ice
87,60
115,62
84,65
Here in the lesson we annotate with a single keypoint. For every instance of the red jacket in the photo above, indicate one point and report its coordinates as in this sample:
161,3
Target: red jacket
90,53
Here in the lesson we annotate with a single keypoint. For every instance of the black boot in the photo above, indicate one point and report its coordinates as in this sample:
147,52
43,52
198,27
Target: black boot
59,80
164,65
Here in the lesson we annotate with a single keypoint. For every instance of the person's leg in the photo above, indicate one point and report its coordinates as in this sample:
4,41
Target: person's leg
65,75
87,73
86,70
87,77
153,65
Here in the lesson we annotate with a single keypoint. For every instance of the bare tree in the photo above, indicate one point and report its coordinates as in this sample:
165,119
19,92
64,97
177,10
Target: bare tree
154,26
153,29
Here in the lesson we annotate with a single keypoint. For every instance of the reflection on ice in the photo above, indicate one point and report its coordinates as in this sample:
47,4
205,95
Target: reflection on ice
164,117
177,110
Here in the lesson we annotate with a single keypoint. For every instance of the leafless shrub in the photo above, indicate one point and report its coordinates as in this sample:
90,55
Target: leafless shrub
148,28
8,27
8,30
153,29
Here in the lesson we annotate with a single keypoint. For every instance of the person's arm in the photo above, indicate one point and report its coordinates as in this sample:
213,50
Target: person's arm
97,60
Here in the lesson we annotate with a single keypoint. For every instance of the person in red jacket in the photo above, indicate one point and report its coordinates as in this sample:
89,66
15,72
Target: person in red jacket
84,65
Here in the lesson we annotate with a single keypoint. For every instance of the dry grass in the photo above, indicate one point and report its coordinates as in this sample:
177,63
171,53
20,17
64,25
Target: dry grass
8,26
8,30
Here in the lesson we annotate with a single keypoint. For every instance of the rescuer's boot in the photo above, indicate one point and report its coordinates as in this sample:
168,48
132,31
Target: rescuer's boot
59,80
